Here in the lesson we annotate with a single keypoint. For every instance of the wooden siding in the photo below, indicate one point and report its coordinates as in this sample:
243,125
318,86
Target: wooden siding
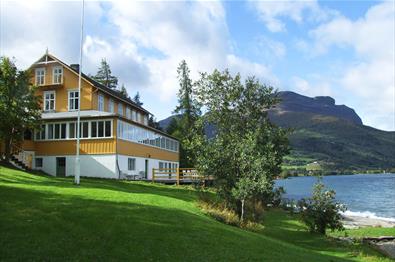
70,82
67,147
140,150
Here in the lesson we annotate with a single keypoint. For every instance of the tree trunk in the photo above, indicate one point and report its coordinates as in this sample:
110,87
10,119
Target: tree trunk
7,149
242,210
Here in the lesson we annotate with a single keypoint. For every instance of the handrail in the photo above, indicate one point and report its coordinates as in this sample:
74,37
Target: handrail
179,174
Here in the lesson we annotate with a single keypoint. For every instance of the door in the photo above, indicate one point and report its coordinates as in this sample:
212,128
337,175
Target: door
146,169
61,166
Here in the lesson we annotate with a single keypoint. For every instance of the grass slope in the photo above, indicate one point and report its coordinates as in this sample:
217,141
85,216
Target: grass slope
46,218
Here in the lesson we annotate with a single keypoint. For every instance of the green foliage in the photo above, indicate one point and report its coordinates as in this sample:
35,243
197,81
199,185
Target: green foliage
124,92
321,211
104,75
153,123
136,99
188,112
19,107
245,155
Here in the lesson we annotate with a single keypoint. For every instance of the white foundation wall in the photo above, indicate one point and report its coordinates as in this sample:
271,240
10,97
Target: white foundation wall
140,164
102,166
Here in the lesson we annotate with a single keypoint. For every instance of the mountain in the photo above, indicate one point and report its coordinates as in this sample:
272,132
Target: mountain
332,136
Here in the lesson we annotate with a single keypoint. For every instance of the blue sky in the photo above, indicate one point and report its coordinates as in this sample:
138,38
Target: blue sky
344,49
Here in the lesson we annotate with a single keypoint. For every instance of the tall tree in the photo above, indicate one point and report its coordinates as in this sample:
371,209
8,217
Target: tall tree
153,123
188,106
104,75
123,91
245,155
137,99
19,107
187,112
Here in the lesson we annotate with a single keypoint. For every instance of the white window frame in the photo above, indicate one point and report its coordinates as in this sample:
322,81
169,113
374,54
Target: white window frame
69,104
134,115
132,160
56,75
120,107
100,102
41,76
145,117
67,134
35,162
45,100
128,113
138,117
111,105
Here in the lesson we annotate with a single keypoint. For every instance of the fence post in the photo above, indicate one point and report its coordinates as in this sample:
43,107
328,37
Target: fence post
153,175
178,176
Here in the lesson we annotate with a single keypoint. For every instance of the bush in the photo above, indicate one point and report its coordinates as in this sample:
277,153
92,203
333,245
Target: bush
217,210
321,211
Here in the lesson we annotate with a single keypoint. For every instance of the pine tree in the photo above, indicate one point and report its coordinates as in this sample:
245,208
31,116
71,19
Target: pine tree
187,106
123,91
153,123
188,111
104,76
137,100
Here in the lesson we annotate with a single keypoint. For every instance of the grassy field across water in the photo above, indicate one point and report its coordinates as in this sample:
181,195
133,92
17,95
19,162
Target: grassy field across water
45,218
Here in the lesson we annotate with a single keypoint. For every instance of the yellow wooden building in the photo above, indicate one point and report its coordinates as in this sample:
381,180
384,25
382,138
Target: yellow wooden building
116,140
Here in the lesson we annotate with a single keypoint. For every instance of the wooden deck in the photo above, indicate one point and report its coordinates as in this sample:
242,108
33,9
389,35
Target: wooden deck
178,176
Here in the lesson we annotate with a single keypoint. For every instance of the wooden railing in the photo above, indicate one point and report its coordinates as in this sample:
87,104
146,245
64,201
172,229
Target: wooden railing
177,174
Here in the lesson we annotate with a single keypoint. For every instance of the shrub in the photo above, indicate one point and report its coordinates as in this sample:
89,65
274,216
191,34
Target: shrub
218,210
321,211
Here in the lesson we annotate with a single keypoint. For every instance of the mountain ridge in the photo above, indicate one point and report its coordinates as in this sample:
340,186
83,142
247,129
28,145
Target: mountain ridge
332,135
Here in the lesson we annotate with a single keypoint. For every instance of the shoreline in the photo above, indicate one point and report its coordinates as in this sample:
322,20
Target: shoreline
355,221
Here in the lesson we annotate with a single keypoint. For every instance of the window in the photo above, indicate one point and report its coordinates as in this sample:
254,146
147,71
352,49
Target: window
120,109
138,117
39,162
141,135
108,129
68,130
40,76
73,100
57,75
49,101
50,131
128,113
146,120
160,165
100,103
134,117
84,129
94,129
101,129
40,134
72,131
110,105
131,163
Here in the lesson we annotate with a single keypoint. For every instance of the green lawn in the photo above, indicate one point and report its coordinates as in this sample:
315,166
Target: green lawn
44,218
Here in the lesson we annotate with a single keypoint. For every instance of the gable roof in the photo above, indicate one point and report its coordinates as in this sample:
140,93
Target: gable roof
50,58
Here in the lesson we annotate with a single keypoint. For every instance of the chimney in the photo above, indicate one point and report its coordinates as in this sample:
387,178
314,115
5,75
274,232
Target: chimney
76,67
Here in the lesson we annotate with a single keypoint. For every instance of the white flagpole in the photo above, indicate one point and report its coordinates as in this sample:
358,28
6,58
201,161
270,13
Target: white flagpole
77,157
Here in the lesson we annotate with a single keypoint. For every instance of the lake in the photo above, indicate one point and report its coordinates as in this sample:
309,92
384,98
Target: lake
370,195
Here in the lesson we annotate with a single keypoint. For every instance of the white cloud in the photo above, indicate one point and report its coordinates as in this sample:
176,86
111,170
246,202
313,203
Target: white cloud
272,13
369,79
142,41
315,87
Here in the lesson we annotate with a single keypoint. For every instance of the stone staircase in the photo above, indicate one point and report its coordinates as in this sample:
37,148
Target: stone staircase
18,163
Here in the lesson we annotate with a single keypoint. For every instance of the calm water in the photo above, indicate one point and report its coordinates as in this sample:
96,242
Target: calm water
364,195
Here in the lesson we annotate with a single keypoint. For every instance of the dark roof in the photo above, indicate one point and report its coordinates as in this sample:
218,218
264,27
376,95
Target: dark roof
98,85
